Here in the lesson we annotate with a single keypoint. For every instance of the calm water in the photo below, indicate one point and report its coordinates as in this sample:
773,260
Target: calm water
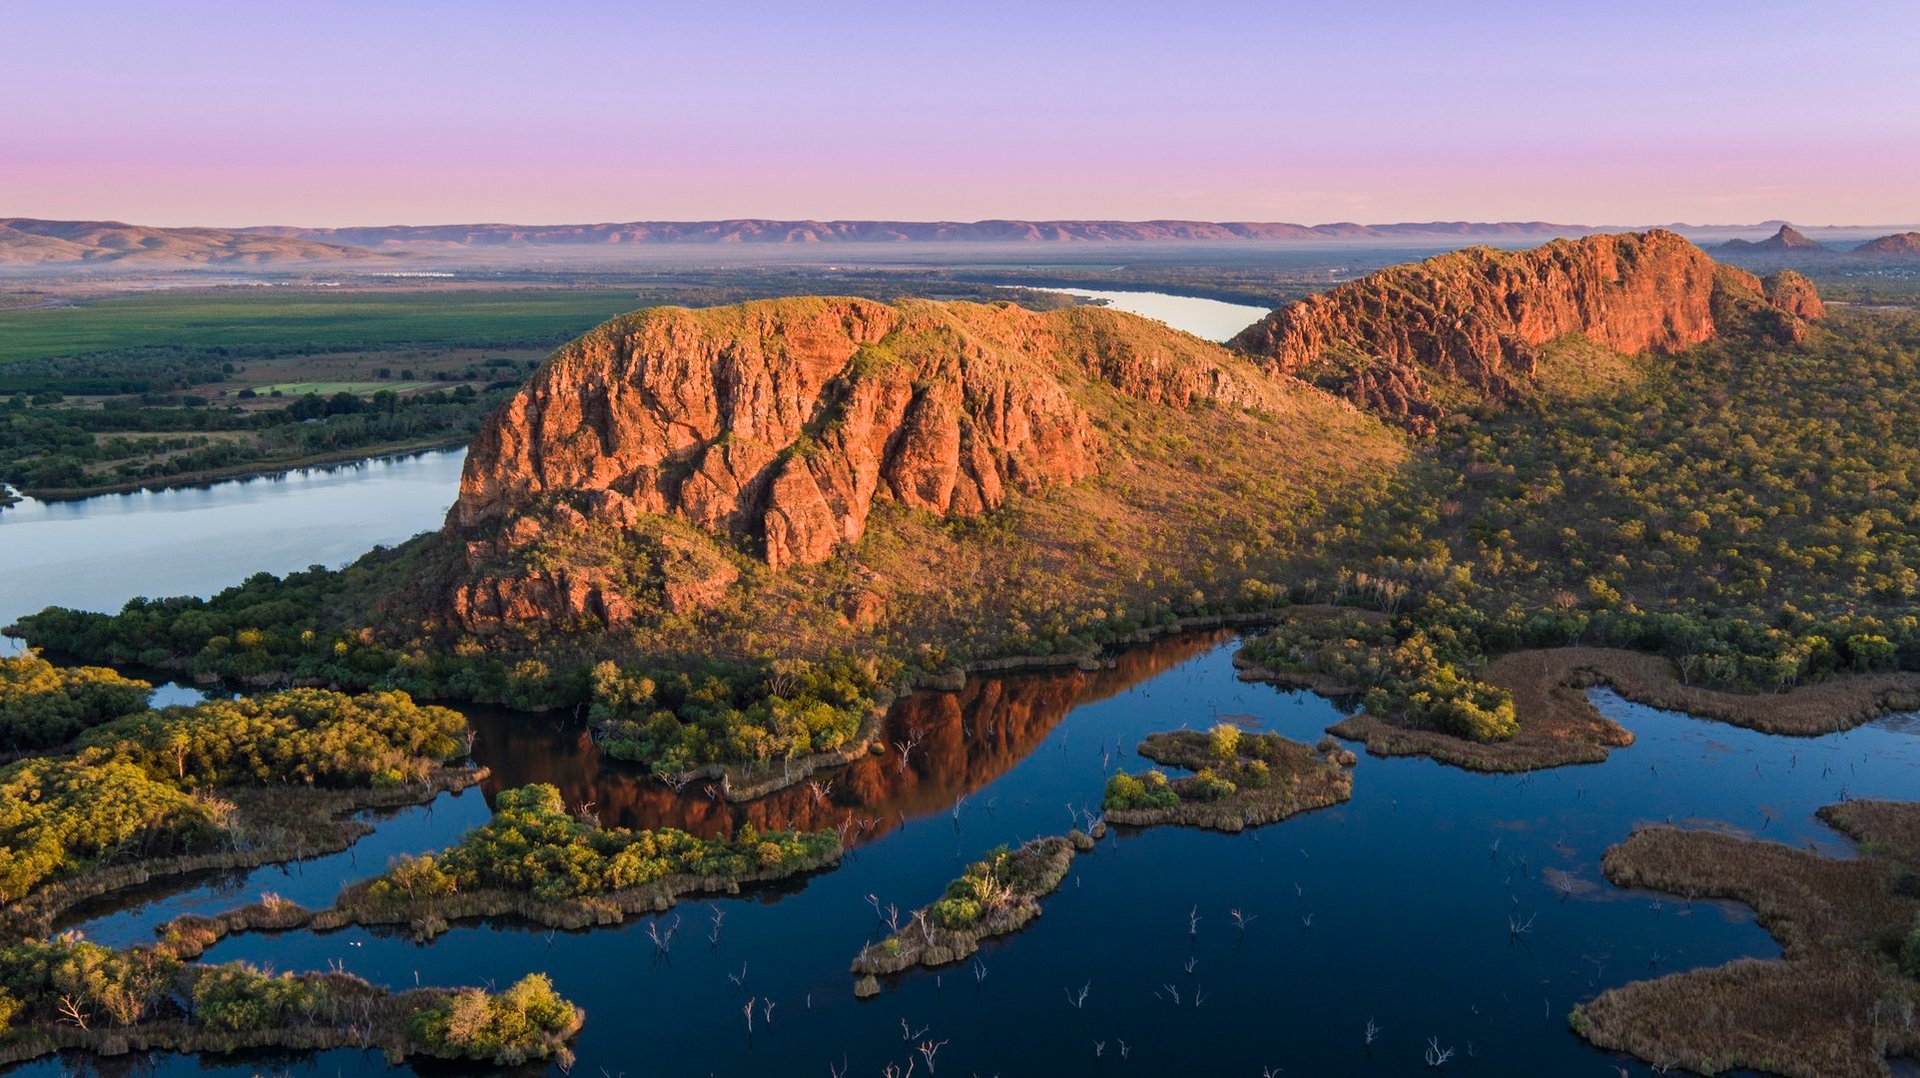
96,553
1208,319
1409,888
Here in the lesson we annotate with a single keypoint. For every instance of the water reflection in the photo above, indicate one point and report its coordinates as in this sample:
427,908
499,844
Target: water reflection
961,741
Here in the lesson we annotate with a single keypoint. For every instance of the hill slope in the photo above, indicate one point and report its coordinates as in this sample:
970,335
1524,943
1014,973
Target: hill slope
1901,246
670,455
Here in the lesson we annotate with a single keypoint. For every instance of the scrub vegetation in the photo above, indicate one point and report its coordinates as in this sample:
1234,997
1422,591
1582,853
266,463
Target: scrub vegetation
996,895
224,783
536,861
67,993
43,705
1240,779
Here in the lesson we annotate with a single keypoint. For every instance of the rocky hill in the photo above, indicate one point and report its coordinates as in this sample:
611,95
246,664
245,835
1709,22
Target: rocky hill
29,242
687,445
1787,240
1413,342
1901,247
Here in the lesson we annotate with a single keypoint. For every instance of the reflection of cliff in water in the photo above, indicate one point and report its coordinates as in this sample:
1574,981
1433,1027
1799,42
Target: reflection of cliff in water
960,741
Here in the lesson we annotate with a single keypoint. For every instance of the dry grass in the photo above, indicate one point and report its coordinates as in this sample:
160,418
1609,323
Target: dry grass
1835,1005
1559,726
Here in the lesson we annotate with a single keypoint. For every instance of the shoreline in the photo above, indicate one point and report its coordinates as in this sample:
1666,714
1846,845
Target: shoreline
236,472
331,815
1559,725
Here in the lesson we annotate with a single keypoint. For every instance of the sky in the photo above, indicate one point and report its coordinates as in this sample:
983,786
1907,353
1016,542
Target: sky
1623,112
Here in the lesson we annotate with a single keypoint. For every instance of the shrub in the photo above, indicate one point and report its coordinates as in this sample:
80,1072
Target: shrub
1208,786
954,913
240,998
1150,790
1225,741
527,1021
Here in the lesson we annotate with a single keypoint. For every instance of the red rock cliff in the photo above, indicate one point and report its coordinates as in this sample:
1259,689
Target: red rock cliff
775,426
1405,340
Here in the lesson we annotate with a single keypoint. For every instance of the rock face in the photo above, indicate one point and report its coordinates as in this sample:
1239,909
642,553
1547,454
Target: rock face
1411,340
771,429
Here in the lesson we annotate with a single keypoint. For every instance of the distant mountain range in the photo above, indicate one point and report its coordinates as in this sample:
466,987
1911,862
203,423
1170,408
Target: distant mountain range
27,242
756,230
1791,243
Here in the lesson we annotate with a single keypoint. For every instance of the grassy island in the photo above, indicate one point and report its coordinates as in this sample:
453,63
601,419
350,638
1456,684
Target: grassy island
1841,1000
224,784
536,861
67,993
1240,780
996,896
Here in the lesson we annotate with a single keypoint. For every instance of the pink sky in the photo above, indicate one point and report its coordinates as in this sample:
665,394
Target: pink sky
1615,113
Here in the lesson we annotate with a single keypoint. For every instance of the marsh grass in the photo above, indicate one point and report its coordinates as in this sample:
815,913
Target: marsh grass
1835,1006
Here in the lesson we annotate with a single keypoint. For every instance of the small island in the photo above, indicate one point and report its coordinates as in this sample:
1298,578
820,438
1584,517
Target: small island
996,896
1241,780
536,861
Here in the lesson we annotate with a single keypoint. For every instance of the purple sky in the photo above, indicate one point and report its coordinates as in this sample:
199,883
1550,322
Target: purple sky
341,113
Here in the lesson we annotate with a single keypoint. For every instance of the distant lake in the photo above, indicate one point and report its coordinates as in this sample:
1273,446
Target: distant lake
1208,319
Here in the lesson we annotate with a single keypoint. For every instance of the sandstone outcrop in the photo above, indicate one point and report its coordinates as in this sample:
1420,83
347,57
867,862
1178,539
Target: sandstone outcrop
672,440
1412,340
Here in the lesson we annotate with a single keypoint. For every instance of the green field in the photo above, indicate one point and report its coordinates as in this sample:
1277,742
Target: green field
308,321
328,389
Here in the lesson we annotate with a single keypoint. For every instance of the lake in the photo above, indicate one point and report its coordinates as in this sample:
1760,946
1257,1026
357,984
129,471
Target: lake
1208,319
96,553
1393,907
